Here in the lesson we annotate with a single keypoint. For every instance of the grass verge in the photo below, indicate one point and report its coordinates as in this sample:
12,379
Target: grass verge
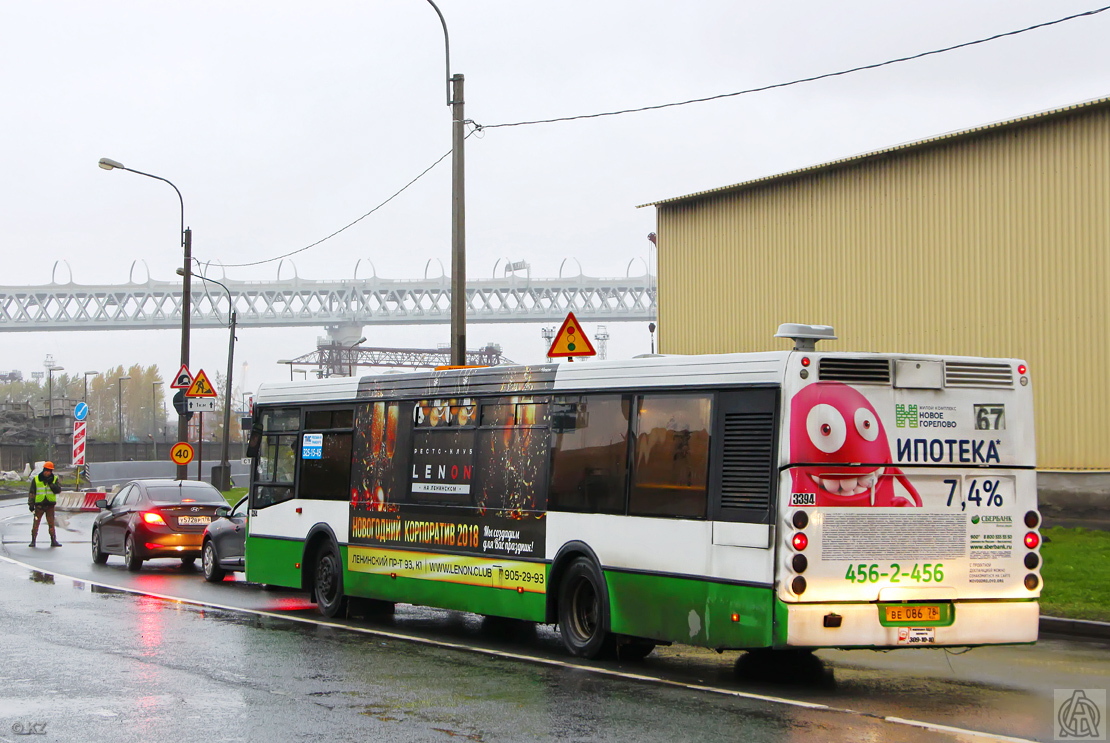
1076,574
234,495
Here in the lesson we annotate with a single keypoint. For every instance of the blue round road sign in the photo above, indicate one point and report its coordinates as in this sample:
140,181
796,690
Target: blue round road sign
80,411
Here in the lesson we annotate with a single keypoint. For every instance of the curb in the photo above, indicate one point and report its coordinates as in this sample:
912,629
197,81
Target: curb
1080,628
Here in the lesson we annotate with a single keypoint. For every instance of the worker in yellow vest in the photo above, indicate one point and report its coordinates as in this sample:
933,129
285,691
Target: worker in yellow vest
42,499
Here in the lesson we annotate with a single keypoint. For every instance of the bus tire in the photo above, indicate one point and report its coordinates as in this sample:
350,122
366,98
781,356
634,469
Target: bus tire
328,582
584,611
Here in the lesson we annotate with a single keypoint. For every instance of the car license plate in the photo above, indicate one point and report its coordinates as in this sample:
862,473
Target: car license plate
193,520
913,613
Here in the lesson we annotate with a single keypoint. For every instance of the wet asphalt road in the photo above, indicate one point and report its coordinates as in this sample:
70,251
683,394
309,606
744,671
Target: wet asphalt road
101,663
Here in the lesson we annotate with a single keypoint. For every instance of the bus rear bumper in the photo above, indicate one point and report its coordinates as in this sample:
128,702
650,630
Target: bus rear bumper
973,623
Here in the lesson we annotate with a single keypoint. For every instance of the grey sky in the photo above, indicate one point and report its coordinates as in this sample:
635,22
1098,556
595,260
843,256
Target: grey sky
282,122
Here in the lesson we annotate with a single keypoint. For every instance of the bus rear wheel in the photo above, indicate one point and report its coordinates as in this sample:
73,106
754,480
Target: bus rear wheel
584,611
328,582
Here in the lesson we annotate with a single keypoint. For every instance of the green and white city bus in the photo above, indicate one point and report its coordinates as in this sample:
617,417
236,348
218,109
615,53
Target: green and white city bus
792,499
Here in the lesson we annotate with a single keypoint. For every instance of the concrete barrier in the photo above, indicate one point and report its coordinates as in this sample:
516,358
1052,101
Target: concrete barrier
71,500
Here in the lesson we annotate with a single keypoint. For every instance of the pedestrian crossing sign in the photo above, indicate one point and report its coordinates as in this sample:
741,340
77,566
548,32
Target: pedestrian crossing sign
570,340
201,387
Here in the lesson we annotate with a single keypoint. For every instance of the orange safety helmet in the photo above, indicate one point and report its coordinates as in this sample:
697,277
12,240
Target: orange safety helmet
48,465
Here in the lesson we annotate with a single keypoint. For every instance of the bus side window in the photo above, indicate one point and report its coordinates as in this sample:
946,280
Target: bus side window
512,454
590,453
327,476
273,480
277,457
670,465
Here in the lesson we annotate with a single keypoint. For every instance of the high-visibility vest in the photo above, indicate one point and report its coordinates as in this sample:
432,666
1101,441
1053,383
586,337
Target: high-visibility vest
43,491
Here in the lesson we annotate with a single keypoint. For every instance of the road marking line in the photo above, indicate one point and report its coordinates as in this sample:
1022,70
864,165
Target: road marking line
625,675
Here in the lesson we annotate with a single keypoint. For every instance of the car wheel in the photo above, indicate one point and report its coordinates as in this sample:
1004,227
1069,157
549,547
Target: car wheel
210,562
584,611
99,556
329,583
130,556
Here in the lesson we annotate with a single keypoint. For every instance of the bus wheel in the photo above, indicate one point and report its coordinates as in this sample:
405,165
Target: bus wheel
329,582
583,612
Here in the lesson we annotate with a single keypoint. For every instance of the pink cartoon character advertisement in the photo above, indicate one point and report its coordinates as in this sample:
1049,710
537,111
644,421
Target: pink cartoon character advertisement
841,451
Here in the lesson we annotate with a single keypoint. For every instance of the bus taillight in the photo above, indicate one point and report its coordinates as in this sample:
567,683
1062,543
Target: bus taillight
799,563
800,519
1032,518
1032,581
801,541
1032,540
798,585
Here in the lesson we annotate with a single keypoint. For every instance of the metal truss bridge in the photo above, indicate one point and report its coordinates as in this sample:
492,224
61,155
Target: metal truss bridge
347,304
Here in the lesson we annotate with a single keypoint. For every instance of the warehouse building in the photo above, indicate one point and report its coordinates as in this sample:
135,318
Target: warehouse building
993,241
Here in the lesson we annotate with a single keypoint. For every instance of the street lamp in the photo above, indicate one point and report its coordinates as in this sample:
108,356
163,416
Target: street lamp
290,362
50,403
351,355
119,412
87,375
458,205
222,479
154,427
186,297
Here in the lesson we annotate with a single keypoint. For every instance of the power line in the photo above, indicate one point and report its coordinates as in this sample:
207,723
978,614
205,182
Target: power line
773,86
347,227
804,79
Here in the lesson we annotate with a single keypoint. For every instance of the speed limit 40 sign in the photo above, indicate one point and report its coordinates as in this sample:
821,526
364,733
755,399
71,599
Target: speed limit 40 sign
181,453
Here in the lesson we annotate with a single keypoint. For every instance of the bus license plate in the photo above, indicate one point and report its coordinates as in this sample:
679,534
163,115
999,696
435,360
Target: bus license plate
913,613
191,520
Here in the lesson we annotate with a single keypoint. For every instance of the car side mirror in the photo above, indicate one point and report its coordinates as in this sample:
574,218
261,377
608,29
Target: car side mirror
223,511
102,503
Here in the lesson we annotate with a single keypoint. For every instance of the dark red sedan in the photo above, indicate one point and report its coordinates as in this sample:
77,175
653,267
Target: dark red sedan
154,518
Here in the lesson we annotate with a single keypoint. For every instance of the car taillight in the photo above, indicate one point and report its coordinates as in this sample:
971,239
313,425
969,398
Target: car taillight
154,518
1032,540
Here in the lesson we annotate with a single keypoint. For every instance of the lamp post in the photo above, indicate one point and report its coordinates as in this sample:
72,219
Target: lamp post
186,298
119,412
351,355
458,205
290,362
222,479
87,375
50,404
154,427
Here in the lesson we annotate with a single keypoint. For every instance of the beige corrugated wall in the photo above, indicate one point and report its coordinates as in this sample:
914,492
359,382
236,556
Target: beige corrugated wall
990,246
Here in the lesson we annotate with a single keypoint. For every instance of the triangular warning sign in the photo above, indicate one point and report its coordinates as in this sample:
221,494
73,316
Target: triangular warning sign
183,380
201,387
570,340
